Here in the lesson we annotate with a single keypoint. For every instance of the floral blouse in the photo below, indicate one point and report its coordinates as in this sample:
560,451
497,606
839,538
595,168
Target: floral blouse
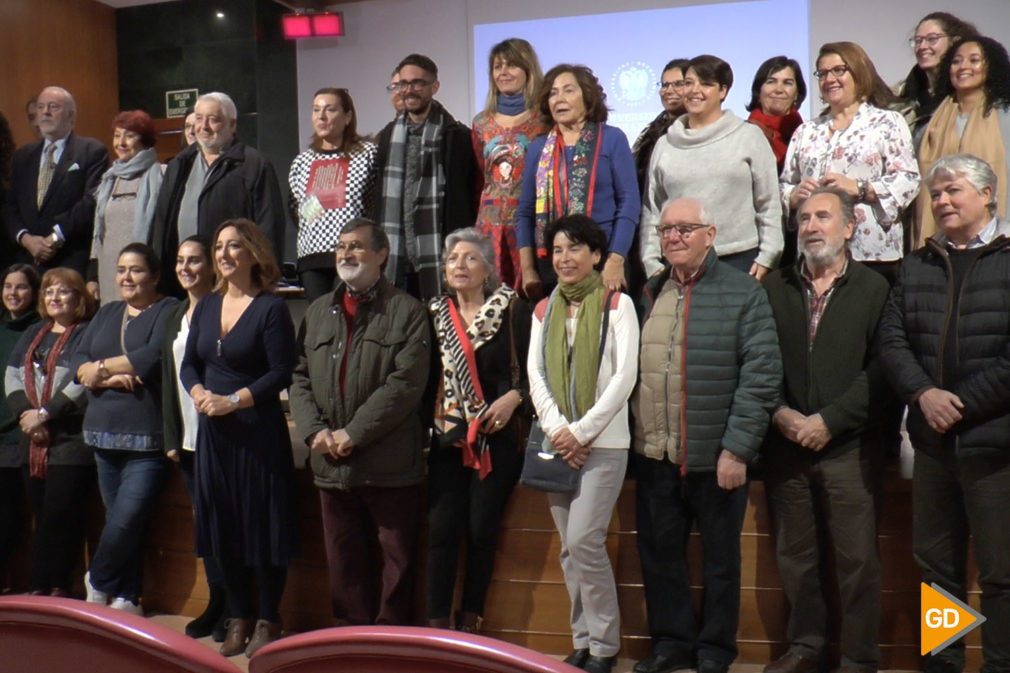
876,146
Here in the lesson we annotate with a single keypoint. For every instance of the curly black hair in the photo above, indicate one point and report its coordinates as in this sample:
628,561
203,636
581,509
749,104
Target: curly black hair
7,148
997,72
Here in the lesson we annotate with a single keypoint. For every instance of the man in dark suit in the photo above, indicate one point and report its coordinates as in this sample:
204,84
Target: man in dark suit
50,209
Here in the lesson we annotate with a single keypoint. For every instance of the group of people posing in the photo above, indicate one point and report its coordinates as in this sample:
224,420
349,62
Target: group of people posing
723,294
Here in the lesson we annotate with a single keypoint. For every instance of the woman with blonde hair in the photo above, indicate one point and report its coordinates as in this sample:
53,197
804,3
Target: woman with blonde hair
501,135
239,357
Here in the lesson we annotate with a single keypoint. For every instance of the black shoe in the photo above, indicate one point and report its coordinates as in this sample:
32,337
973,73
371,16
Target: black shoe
203,626
595,664
711,666
942,664
661,663
578,657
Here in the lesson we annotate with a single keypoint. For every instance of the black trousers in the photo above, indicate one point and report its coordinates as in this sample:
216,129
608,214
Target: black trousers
59,503
461,504
12,497
668,505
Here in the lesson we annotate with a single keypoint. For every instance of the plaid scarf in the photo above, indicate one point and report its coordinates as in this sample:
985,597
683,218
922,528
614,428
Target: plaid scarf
38,452
426,196
560,191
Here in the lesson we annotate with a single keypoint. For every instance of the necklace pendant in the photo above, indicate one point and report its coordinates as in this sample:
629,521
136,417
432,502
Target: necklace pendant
219,348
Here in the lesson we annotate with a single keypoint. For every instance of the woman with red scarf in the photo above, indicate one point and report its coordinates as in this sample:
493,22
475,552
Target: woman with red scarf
49,405
777,91
582,166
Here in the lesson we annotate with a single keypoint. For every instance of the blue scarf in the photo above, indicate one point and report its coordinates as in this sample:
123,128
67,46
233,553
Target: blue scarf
513,105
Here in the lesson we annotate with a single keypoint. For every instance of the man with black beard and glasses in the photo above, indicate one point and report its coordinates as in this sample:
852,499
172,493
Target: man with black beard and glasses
361,372
821,456
428,180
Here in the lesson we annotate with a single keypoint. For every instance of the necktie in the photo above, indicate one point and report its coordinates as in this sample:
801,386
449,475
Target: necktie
46,174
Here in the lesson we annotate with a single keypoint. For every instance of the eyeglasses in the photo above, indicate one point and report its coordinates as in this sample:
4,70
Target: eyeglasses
61,292
393,87
683,230
929,40
837,72
51,107
353,247
676,84
415,84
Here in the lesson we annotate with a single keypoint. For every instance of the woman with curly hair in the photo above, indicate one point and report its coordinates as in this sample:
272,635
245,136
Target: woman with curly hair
581,166
973,118
934,35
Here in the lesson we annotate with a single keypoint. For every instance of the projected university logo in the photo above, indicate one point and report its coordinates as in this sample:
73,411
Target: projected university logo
944,618
633,83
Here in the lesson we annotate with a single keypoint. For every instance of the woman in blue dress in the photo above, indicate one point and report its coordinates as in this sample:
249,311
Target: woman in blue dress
239,357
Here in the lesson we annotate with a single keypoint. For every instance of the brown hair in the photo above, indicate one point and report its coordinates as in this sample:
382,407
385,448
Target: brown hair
870,87
265,272
350,139
515,51
138,122
593,96
73,280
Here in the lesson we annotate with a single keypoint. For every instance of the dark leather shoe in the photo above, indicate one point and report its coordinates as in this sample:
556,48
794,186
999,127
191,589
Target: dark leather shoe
203,626
266,632
792,663
578,657
595,664
712,666
239,631
661,663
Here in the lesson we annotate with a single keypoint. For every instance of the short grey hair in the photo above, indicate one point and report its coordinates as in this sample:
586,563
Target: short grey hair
483,243
845,202
68,98
976,171
704,214
224,101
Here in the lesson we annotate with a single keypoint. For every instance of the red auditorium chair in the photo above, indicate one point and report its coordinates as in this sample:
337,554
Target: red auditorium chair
61,635
398,649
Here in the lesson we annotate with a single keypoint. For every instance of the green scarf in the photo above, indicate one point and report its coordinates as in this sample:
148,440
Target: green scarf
572,372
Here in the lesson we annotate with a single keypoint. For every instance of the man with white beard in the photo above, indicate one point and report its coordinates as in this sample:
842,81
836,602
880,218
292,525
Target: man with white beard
362,366
822,453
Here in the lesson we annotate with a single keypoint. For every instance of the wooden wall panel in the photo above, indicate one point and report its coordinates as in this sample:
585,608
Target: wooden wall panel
68,43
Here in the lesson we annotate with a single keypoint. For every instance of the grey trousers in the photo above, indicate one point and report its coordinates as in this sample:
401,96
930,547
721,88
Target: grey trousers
582,519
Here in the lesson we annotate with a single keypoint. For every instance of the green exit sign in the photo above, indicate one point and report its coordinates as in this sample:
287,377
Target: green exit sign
176,102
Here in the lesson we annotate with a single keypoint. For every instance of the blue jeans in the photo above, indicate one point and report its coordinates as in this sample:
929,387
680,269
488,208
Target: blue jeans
130,482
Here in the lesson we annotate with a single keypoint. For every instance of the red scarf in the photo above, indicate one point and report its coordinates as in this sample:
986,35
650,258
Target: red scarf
38,459
778,129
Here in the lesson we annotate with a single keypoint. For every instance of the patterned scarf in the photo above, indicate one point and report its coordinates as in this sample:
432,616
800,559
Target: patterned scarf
560,191
38,458
981,137
426,197
572,372
462,402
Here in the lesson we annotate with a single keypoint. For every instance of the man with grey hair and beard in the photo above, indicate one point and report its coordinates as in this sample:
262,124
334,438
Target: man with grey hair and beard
363,356
821,454
215,179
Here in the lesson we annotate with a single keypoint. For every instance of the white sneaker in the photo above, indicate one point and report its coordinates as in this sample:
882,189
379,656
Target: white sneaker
126,605
94,595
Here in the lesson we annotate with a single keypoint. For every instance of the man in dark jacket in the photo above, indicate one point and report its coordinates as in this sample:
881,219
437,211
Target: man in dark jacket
363,358
50,208
944,340
215,179
428,180
822,457
709,378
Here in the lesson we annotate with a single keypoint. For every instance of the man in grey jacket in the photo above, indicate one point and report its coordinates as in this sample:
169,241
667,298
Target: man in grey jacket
710,370
363,358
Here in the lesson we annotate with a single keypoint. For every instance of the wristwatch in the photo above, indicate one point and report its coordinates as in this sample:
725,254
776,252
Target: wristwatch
234,399
103,371
864,190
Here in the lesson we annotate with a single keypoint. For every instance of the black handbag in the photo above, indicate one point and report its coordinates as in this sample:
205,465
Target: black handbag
543,467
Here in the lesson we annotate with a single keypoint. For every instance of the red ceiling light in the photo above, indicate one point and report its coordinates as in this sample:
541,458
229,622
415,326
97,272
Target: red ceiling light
298,26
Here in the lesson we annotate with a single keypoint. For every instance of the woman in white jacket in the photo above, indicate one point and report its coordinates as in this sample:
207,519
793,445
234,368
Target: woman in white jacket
581,399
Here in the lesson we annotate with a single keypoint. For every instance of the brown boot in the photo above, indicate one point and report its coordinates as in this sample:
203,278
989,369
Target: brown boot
266,632
239,631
